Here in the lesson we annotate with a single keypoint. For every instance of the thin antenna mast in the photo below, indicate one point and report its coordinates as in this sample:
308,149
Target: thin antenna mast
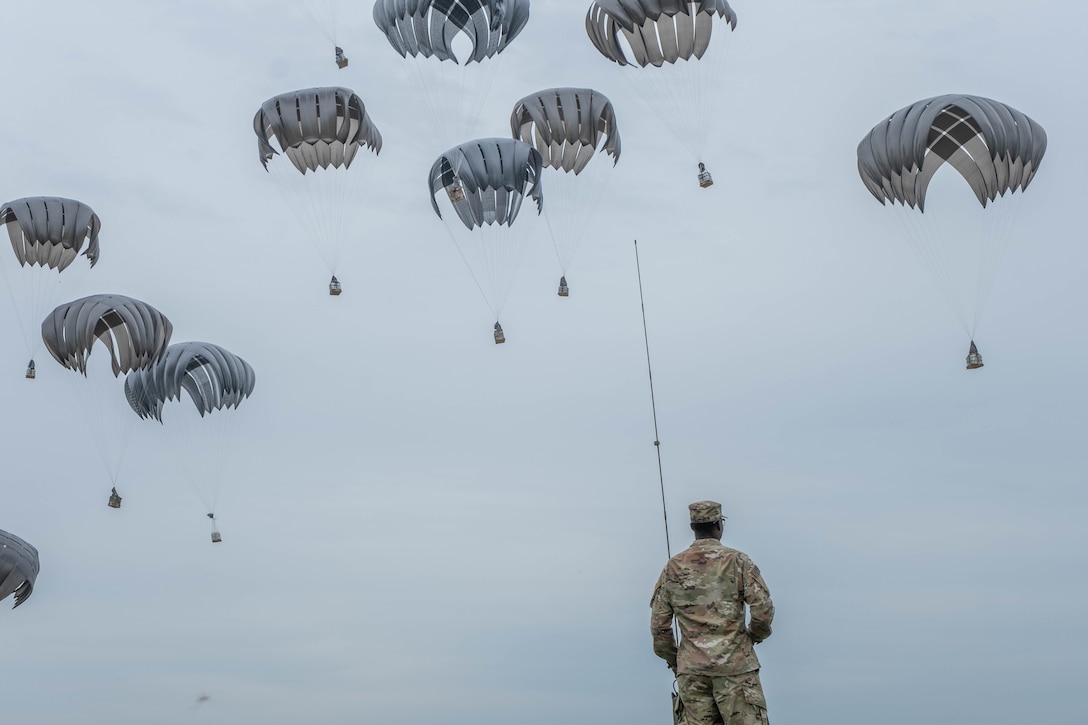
653,404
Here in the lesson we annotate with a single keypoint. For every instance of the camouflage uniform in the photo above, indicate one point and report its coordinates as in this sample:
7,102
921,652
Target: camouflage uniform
706,588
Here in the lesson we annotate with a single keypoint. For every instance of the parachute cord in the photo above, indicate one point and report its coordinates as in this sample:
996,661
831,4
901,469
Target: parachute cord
999,237
107,413
323,15
496,310
653,405
15,306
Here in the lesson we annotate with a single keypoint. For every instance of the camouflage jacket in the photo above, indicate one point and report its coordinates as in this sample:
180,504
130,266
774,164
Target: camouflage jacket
705,587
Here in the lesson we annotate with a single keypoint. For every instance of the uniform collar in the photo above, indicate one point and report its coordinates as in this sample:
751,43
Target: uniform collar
706,544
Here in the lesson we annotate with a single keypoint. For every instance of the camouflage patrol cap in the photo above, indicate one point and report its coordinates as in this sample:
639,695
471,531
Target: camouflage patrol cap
705,512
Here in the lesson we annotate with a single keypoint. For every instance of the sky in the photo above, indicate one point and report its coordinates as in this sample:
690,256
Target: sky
420,526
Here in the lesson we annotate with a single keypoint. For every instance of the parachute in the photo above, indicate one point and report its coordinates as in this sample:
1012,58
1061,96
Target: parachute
48,234
565,125
18,568
50,230
995,149
656,32
136,335
678,65
214,378
310,137
216,381
320,131
428,27
486,181
453,85
569,127
493,173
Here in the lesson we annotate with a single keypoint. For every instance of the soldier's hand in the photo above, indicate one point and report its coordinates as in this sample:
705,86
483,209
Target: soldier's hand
764,633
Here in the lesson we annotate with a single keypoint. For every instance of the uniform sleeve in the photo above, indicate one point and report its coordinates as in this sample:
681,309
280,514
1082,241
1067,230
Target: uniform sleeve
661,623
758,598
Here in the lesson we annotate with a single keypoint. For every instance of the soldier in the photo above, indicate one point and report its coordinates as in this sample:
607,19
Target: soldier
705,587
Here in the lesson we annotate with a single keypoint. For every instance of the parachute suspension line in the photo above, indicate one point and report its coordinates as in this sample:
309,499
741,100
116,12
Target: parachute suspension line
335,22
34,289
471,271
962,250
15,306
572,202
704,93
342,187
325,202
452,94
202,445
999,235
491,251
323,15
683,94
929,244
109,420
653,405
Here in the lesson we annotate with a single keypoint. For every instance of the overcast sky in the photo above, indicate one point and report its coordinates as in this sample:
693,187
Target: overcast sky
420,526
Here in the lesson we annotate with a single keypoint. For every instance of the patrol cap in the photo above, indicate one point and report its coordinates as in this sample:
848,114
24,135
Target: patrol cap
705,512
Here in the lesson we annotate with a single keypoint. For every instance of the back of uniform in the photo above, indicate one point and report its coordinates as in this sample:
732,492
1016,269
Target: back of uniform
706,588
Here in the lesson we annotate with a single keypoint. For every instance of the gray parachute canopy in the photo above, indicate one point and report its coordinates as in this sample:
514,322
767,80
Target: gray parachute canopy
429,27
213,377
315,128
657,31
135,332
993,146
565,125
50,230
493,174
18,567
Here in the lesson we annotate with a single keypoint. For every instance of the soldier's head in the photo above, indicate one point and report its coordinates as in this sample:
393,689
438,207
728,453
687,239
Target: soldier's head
707,521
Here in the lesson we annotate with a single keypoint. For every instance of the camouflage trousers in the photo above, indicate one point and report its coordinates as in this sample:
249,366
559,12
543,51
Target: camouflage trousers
732,700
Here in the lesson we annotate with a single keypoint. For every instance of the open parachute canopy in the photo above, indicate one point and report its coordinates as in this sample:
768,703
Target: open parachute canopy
655,31
569,127
315,128
135,332
18,567
50,231
487,179
996,149
566,125
213,377
428,27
